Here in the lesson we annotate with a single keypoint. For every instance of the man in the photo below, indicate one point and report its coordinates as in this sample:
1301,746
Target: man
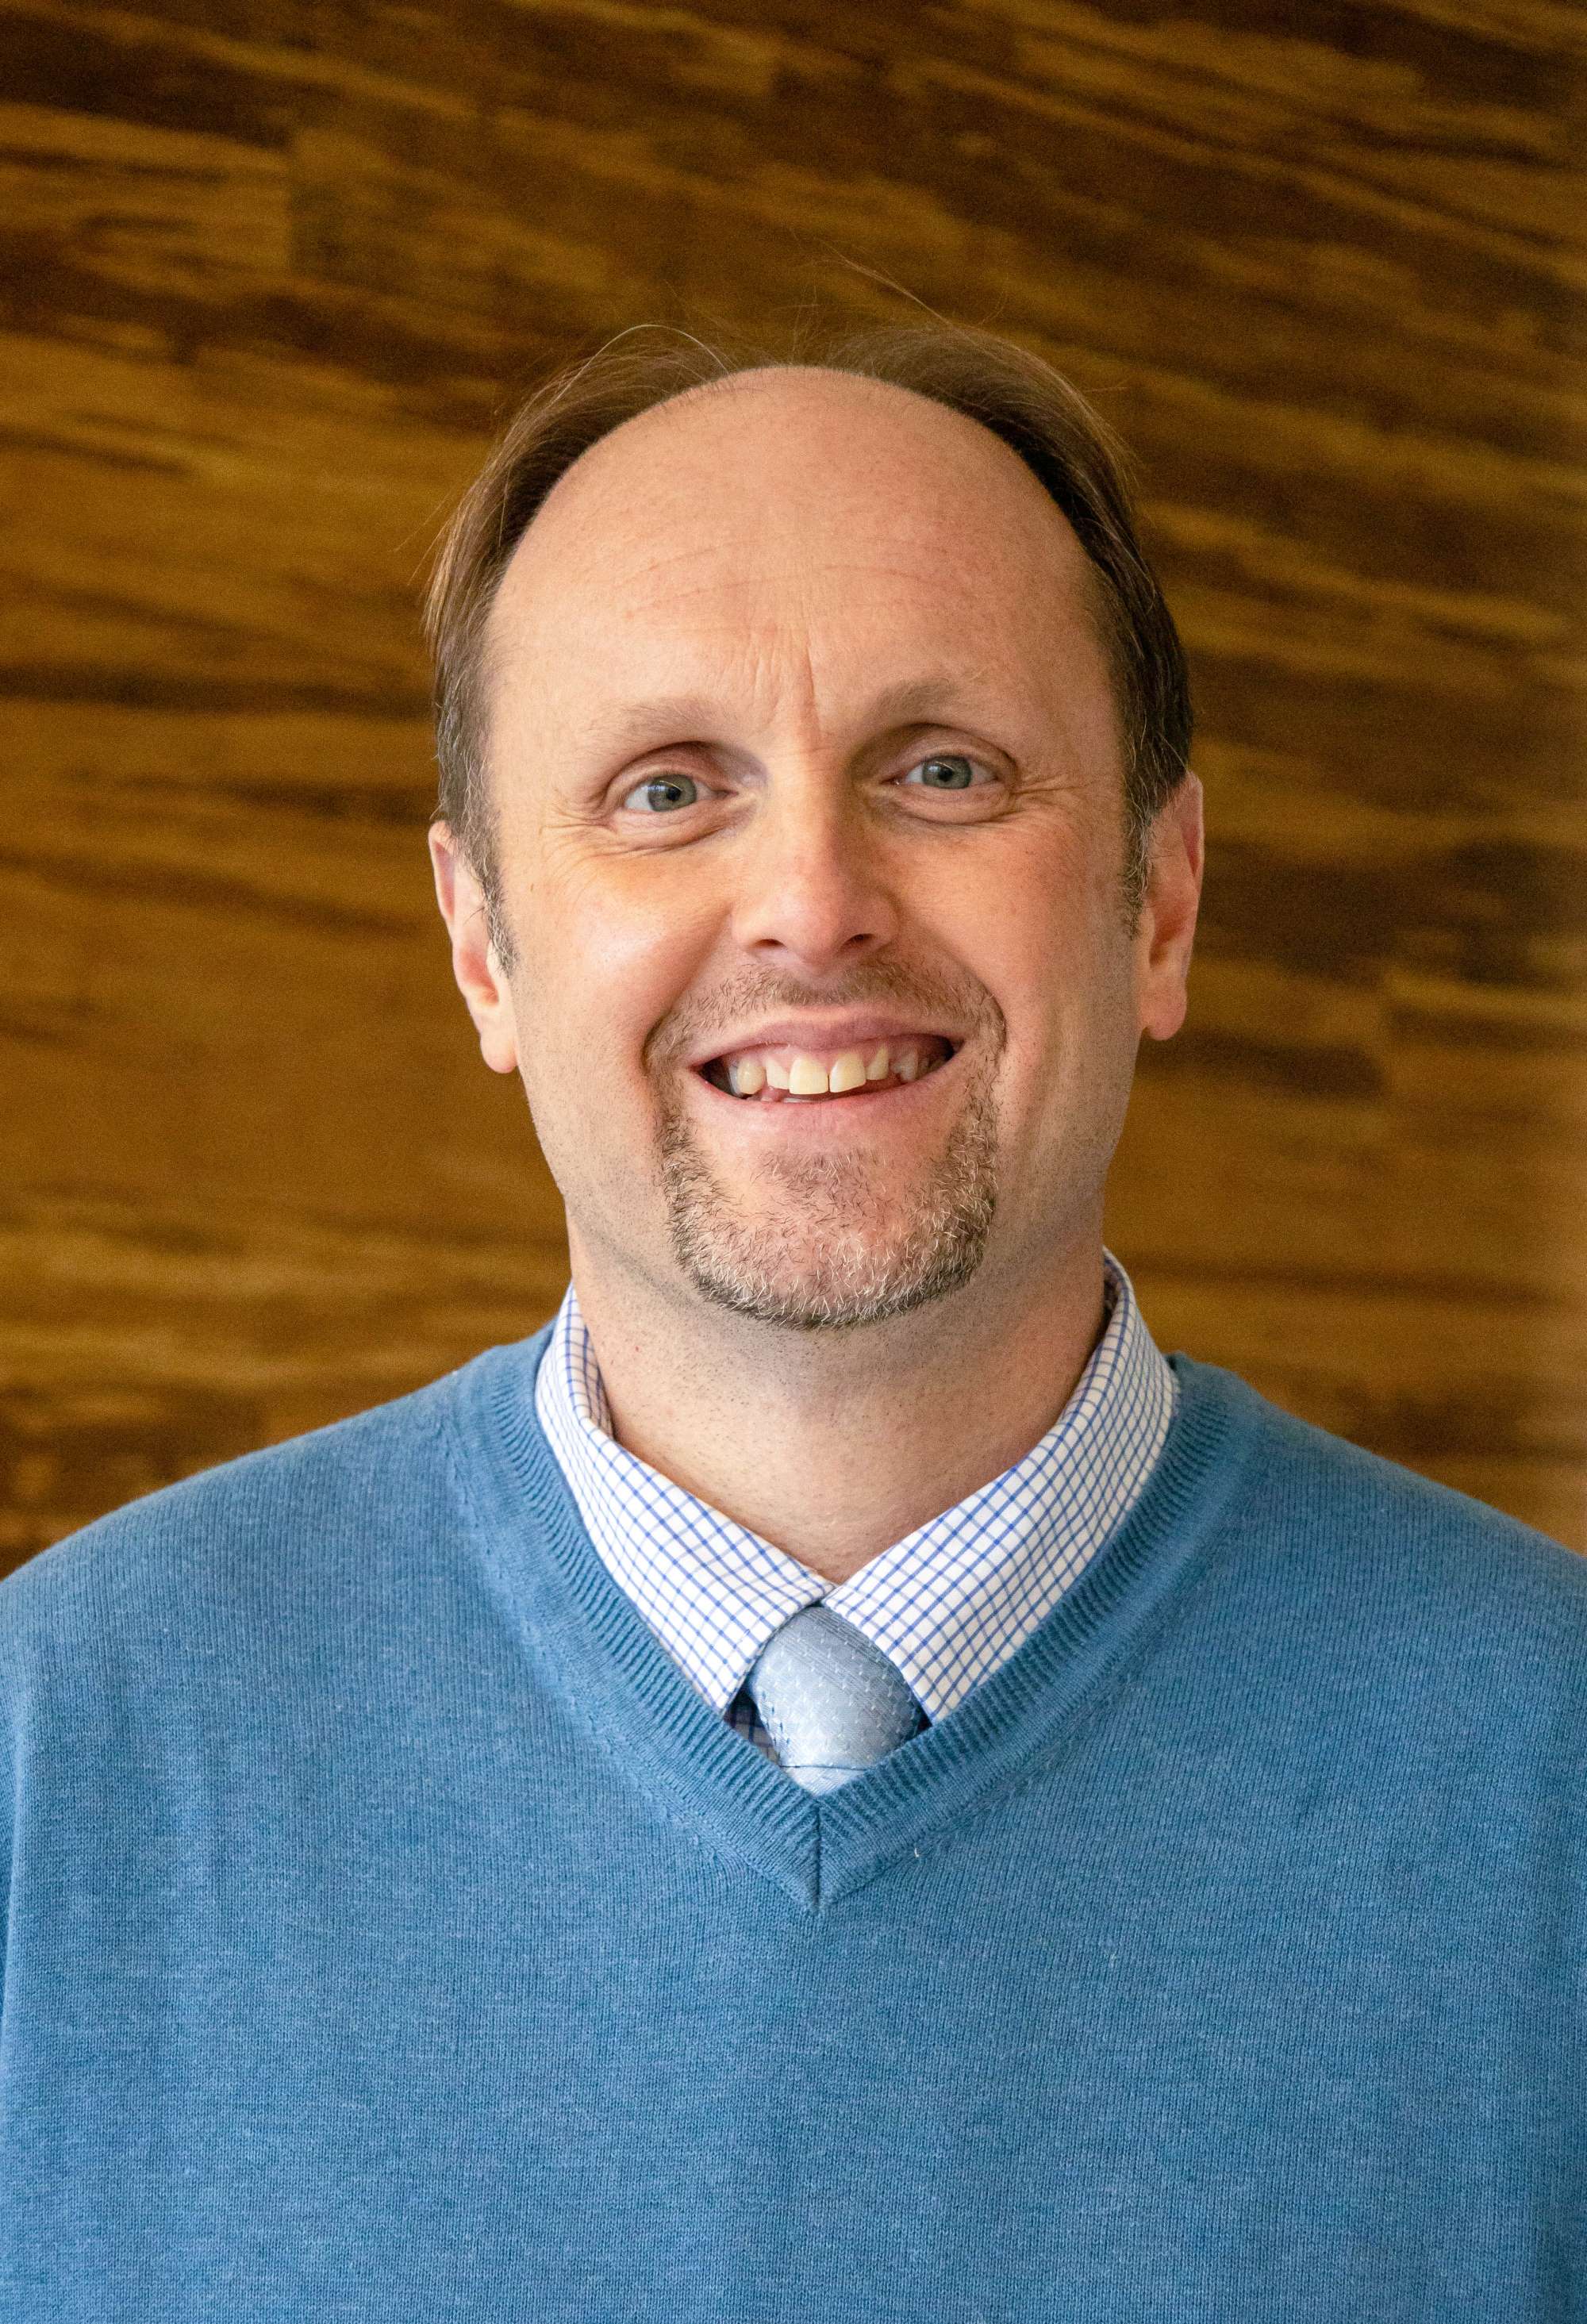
833,1782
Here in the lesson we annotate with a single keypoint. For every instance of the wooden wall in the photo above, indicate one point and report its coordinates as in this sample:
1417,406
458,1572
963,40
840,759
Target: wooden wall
272,270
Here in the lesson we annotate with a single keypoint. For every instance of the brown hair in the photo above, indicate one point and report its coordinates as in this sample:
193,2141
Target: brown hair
1019,397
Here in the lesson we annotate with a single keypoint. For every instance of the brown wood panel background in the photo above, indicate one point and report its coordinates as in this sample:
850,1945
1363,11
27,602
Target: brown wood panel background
271,273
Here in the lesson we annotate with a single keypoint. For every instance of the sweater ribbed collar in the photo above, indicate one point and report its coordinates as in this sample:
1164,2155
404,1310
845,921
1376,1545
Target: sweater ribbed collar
584,1640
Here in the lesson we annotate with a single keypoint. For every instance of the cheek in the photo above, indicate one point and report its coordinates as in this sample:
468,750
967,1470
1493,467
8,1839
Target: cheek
611,948
1037,925
1054,952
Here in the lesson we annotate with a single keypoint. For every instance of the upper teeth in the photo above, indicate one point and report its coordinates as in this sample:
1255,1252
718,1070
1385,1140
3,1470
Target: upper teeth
800,1072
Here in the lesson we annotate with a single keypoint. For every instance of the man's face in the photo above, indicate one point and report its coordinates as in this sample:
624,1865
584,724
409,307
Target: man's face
811,848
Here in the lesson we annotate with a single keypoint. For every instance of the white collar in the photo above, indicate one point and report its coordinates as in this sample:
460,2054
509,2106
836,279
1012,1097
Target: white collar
947,1604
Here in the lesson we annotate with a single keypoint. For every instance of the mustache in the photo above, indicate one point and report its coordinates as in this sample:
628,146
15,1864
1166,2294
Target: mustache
961,1001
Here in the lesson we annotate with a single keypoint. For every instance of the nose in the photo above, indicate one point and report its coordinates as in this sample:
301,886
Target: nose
811,894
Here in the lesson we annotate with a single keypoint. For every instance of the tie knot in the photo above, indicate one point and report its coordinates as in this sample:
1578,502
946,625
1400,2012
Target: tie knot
831,1701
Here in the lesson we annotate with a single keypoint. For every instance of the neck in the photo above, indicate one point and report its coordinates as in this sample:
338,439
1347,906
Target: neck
834,1445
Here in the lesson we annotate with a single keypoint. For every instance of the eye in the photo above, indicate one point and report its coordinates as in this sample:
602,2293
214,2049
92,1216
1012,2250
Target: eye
943,771
663,794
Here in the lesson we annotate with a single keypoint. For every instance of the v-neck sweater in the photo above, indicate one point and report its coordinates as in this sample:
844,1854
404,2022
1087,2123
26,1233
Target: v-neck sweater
395,1933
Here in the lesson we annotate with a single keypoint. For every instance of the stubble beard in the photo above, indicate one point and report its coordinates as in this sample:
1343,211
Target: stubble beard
835,1246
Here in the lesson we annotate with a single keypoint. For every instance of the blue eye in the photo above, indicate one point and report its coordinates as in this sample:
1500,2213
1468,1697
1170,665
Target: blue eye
662,793
944,772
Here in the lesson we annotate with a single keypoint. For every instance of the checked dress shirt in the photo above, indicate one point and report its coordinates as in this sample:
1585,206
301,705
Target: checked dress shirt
947,1604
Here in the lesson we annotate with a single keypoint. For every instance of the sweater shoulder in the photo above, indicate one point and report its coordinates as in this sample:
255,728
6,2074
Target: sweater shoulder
317,1510
1359,1523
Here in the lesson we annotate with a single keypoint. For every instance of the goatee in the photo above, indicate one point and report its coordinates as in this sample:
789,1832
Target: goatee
843,1246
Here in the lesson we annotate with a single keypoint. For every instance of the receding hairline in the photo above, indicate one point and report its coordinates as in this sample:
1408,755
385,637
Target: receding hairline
767,378
771,376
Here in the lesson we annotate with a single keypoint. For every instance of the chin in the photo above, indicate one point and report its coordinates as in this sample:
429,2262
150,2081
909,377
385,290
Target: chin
814,1242
821,1298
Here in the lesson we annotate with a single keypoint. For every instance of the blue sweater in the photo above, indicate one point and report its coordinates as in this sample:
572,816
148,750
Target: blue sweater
393,1932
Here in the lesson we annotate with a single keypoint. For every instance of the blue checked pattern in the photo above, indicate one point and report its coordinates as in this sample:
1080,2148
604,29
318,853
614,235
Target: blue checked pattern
946,1605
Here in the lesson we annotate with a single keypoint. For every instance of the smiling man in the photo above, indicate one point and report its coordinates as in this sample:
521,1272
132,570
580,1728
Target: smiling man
830,893
833,1782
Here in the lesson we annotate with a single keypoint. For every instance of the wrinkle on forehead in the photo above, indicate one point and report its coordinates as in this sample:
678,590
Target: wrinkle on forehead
906,701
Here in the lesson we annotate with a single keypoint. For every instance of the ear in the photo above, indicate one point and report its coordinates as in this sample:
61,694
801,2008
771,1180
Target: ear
1167,928
474,964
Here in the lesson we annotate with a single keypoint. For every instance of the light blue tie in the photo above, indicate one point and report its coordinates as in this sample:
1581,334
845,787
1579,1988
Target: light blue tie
831,1701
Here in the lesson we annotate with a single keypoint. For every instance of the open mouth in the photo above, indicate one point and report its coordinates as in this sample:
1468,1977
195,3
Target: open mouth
783,1075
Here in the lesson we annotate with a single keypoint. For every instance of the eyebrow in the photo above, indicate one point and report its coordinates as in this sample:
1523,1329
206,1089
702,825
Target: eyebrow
670,717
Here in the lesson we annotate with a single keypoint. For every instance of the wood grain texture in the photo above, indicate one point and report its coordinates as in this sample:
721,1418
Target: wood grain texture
268,275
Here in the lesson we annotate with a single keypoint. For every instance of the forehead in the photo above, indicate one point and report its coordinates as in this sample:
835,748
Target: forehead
785,513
